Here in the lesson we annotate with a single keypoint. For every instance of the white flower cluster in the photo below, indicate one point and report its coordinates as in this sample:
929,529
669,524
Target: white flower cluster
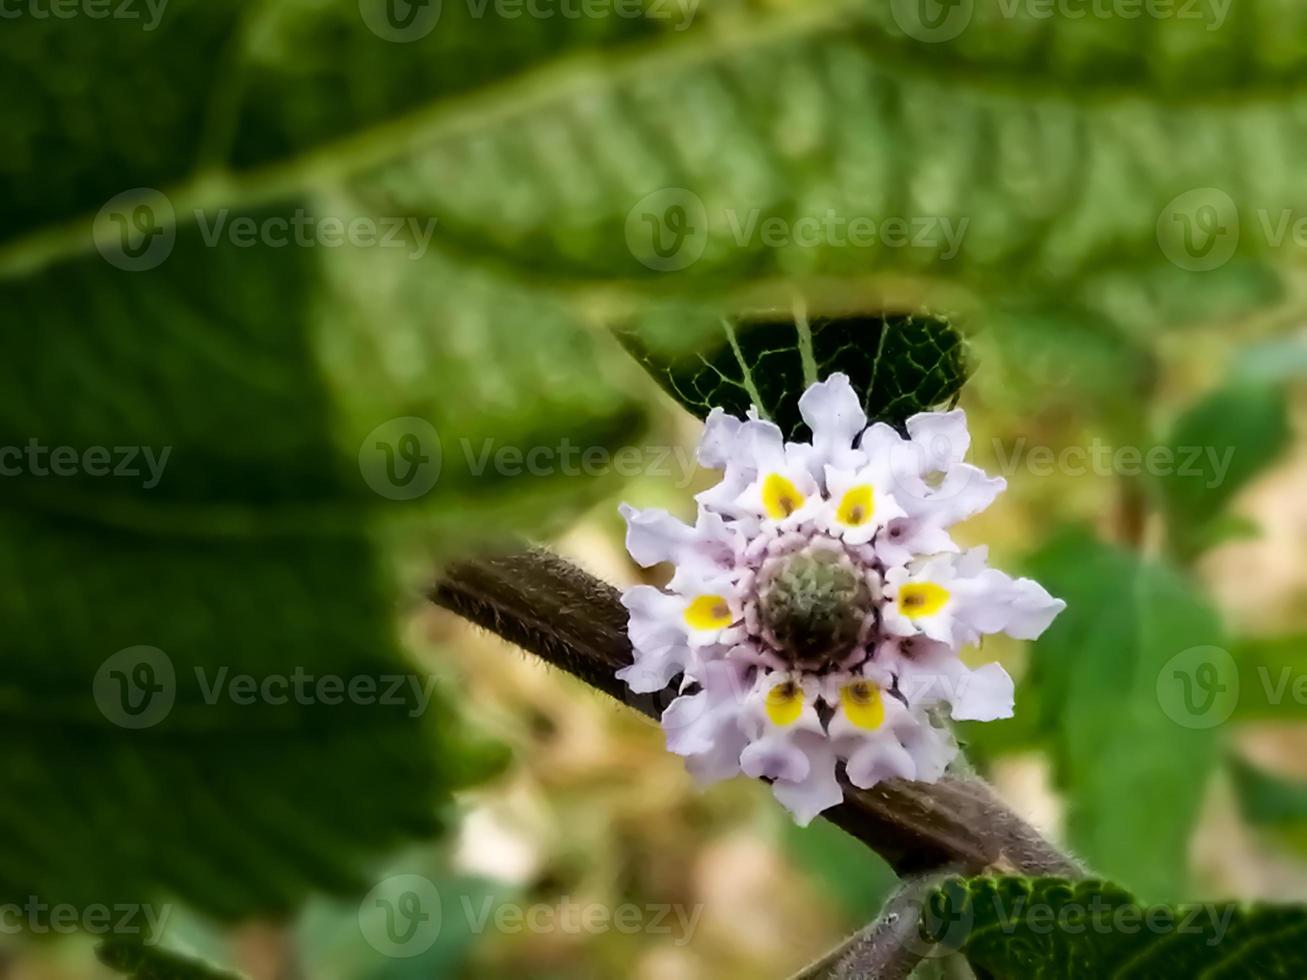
818,604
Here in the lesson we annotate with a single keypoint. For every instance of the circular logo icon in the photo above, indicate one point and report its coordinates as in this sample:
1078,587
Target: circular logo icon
401,21
1199,230
136,230
944,917
667,230
136,687
400,917
1199,687
932,21
400,459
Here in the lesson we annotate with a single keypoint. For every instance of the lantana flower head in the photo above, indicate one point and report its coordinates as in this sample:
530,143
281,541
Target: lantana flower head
819,604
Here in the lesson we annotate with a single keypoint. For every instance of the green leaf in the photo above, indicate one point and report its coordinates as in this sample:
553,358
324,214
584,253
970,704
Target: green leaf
1030,928
1272,677
1273,804
1220,444
1133,684
899,365
144,962
252,418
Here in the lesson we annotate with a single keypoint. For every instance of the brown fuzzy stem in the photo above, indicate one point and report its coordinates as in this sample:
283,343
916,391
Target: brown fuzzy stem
571,619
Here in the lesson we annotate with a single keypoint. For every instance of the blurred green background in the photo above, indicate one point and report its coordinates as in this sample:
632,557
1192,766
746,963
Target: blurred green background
350,263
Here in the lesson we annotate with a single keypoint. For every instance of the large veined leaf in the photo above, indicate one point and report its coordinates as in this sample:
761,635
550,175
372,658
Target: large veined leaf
219,404
1031,928
1133,685
899,365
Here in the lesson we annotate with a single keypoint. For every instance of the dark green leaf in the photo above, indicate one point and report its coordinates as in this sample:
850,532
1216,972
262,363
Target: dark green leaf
1220,445
1032,928
1133,683
899,364
139,961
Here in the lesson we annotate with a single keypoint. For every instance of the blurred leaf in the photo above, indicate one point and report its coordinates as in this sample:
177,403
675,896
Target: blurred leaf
1273,361
1265,798
1029,928
1272,677
144,962
1132,754
842,868
1273,804
1219,445
133,699
268,407
900,365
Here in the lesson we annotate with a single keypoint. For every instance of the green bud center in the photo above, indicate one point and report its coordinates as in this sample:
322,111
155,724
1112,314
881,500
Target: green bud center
814,606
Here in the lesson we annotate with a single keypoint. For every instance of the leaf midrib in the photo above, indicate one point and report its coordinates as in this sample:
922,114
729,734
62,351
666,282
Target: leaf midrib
327,163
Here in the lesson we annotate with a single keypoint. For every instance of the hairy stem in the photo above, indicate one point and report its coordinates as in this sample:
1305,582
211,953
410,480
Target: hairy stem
889,948
571,619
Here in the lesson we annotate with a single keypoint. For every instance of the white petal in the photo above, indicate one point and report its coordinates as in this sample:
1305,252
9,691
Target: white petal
985,694
653,668
992,602
654,536
833,412
931,748
819,790
879,758
718,443
906,538
656,617
942,438
704,727
775,756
